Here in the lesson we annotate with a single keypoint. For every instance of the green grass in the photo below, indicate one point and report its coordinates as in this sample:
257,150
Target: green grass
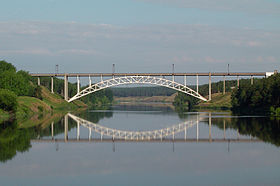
4,115
219,101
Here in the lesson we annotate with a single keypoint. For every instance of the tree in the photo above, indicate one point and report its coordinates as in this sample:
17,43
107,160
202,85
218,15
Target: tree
8,100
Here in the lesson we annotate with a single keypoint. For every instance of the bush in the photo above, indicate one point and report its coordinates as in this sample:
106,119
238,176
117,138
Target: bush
8,100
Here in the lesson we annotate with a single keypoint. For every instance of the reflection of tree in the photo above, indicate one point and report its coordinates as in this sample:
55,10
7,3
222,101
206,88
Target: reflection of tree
13,140
265,129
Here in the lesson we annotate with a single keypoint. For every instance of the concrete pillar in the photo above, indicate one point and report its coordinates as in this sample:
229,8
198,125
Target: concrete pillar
66,87
185,80
39,83
237,81
210,91
52,91
66,128
89,80
196,83
252,80
224,87
78,84
101,78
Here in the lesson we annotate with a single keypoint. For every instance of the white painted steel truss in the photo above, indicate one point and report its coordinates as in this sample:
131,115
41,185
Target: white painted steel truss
134,135
137,80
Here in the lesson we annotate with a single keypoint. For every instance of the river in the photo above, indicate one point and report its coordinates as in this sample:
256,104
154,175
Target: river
142,145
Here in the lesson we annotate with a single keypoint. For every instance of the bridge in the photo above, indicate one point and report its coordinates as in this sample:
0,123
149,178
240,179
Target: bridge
160,79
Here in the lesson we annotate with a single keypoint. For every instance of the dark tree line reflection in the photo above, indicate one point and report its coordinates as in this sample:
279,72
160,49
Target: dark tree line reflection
264,128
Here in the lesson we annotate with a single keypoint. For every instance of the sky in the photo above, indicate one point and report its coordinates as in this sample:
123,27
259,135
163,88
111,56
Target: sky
141,35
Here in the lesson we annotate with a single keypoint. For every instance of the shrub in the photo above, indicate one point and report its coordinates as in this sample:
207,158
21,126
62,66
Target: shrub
8,100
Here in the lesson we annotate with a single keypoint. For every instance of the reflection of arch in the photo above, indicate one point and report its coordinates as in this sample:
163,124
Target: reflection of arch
134,135
137,80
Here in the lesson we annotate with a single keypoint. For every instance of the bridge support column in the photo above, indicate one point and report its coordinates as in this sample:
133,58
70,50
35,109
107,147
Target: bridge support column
52,85
224,87
252,80
78,84
237,81
185,80
66,87
39,83
66,128
89,80
196,83
210,91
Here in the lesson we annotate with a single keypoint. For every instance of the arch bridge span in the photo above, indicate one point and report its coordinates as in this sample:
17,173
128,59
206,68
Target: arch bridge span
137,80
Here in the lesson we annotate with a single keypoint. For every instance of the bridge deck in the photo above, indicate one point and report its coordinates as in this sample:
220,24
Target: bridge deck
147,74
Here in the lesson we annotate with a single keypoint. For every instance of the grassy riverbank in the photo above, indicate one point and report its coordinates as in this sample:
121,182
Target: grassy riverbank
219,101
33,107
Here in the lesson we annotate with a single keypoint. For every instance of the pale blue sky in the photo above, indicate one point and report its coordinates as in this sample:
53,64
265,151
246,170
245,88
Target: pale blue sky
140,35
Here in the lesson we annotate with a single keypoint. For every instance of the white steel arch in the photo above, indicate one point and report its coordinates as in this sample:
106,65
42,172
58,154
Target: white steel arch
137,80
134,135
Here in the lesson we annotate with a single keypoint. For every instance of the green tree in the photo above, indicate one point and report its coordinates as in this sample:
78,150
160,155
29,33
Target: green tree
8,100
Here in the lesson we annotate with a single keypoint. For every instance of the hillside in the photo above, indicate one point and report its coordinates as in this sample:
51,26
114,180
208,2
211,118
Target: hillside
30,106
219,101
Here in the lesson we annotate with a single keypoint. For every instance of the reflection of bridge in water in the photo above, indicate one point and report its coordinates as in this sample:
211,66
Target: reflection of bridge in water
161,135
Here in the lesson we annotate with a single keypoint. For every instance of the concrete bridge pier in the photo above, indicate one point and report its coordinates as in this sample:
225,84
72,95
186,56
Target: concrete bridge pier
66,87
78,84
39,83
224,86
237,81
89,80
197,83
252,80
52,85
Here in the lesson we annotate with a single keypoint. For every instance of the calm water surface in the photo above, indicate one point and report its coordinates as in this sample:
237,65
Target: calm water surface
214,148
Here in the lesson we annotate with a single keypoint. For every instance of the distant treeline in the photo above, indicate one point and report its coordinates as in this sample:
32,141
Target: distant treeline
142,91
263,96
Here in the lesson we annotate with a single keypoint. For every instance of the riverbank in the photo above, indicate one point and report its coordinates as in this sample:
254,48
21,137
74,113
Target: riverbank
218,101
31,107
